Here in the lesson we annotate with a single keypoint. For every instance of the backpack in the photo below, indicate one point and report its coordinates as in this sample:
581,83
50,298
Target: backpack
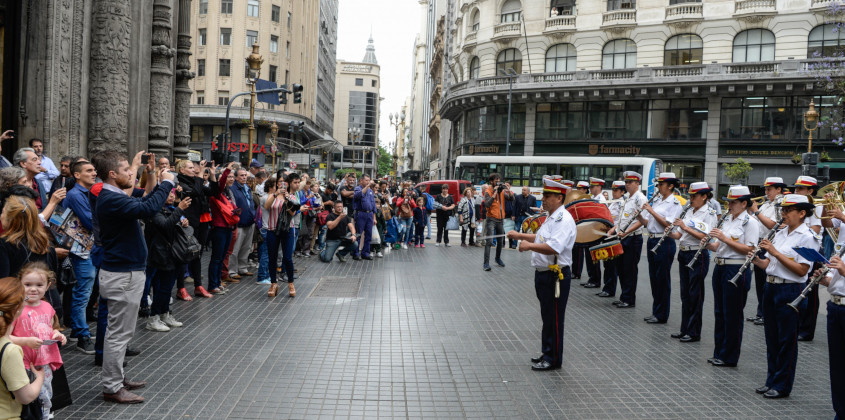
321,217
429,202
185,246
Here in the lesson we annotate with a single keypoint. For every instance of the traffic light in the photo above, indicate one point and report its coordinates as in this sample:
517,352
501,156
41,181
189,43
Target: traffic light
314,164
283,95
297,93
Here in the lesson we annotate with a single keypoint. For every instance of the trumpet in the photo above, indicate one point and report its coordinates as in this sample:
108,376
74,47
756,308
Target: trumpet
759,200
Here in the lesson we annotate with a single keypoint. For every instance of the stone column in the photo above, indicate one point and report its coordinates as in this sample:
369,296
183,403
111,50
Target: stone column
530,125
161,80
711,149
108,106
182,114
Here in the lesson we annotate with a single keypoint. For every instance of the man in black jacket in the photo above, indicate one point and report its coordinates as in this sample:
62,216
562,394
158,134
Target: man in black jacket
521,209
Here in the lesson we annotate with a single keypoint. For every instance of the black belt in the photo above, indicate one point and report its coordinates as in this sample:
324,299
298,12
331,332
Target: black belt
362,211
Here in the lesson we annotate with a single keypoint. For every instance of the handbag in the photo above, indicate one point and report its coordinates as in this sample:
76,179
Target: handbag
452,223
61,389
185,247
31,411
65,277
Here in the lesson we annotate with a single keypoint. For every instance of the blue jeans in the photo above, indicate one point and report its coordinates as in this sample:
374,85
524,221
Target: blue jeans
321,237
405,236
85,276
220,239
148,274
163,282
331,246
263,259
286,241
427,223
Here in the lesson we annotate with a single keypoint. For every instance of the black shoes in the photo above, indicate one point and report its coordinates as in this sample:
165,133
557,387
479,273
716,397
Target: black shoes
719,363
804,338
762,390
368,258
654,321
584,284
773,393
500,262
543,365
759,321
537,359
603,294
356,258
688,339
591,286
677,335
624,305
130,352
85,345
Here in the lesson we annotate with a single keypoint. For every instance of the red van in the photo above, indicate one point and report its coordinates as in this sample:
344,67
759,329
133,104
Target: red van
456,187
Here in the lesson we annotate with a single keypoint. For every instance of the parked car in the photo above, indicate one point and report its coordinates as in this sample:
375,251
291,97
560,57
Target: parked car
456,187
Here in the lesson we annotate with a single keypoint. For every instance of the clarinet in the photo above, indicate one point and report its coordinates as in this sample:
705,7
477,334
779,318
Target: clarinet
636,213
813,282
707,239
671,228
757,252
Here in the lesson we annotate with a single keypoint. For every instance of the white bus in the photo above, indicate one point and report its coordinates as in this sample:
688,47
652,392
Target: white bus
522,171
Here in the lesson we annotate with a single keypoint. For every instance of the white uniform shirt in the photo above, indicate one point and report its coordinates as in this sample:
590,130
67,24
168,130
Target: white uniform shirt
558,231
837,283
616,209
784,241
705,215
670,208
743,229
599,197
631,206
769,210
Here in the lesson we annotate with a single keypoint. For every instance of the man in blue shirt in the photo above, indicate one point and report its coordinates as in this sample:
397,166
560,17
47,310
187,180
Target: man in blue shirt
364,203
124,259
238,261
83,267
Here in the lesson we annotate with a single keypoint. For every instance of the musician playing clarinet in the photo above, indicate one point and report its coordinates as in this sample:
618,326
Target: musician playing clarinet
786,272
691,230
631,239
807,185
551,258
766,215
835,282
737,236
610,276
660,215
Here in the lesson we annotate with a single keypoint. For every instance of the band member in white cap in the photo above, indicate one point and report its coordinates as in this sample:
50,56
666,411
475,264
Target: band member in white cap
596,186
787,271
660,215
609,289
807,185
835,282
736,237
691,230
766,214
551,257
631,238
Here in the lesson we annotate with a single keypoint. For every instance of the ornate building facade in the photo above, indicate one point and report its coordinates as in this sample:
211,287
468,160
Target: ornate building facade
91,75
694,83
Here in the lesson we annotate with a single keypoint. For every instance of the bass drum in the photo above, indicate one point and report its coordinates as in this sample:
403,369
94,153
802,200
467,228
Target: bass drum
592,219
532,224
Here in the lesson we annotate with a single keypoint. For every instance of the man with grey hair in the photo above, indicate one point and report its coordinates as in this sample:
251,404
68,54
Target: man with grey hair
27,159
49,172
239,260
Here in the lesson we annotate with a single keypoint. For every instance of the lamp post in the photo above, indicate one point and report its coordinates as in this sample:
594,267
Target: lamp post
810,159
510,74
274,131
353,136
254,61
396,120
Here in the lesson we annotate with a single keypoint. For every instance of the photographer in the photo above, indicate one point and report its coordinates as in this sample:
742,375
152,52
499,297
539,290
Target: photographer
495,195
338,225
198,215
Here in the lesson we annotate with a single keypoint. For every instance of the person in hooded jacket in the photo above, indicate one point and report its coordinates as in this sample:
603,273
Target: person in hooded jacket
199,218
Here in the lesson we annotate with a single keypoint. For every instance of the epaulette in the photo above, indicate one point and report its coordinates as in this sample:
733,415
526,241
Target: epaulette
712,211
745,219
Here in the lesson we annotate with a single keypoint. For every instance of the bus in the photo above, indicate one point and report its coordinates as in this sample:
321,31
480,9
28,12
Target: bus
521,171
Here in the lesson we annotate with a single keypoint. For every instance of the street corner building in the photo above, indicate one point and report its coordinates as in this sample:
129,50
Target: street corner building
94,75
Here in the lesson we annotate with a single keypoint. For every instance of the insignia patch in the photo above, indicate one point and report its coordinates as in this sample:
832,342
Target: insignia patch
559,217
736,238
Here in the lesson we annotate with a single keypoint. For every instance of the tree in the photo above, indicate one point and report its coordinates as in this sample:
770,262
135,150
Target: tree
385,162
737,172
340,173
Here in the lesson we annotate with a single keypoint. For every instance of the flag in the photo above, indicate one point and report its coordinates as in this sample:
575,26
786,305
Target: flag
270,98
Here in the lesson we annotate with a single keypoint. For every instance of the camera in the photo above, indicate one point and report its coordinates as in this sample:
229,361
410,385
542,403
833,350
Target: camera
145,158
500,185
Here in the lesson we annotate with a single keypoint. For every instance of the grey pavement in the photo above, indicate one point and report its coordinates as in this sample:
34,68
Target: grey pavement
430,335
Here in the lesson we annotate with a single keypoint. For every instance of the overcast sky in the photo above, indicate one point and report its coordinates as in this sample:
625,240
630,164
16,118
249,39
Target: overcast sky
394,24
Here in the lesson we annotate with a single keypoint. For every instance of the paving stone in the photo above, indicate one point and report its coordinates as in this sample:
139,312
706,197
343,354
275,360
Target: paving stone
431,335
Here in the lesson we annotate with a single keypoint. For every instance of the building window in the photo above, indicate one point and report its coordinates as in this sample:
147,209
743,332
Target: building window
510,58
201,67
563,7
290,16
560,57
287,77
511,11
678,119
223,97
825,41
490,123
621,120
560,121
225,67
621,4
272,76
276,14
225,36
754,45
274,44
373,82
287,49
252,8
251,38
363,113
619,54
226,7
769,118
200,97
246,103
475,21
359,82
203,37
474,68
203,7
683,50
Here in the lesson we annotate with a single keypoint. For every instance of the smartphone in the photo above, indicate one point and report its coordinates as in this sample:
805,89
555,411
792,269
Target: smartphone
145,158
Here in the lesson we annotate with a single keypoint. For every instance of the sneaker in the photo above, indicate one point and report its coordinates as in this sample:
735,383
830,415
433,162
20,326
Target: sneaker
404,246
168,320
487,267
217,291
446,245
500,262
265,281
154,324
379,254
85,345
417,246
422,245
340,258
437,244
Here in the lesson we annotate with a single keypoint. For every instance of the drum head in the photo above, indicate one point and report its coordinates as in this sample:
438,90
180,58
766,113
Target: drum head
591,231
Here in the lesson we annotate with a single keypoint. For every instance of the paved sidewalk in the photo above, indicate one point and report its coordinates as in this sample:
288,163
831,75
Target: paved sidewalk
432,335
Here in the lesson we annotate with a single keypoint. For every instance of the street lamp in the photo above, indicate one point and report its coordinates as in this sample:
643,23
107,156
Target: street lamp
254,61
811,123
274,131
399,120
354,133
510,74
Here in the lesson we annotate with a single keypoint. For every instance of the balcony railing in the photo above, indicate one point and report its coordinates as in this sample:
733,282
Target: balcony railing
747,7
745,68
470,39
552,77
678,71
616,18
560,24
684,12
507,30
820,5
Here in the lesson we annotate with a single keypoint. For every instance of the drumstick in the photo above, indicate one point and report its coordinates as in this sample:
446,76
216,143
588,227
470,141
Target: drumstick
490,237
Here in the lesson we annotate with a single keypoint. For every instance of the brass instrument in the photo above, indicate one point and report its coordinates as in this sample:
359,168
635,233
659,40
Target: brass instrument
831,197
759,200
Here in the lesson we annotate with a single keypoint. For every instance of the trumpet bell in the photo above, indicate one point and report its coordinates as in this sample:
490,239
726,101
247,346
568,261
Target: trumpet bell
835,187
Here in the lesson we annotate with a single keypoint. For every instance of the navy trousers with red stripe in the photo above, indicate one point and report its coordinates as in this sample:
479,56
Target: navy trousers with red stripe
552,310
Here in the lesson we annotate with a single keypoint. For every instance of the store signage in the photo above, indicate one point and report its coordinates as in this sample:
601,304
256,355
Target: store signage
243,148
759,153
600,149
483,149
